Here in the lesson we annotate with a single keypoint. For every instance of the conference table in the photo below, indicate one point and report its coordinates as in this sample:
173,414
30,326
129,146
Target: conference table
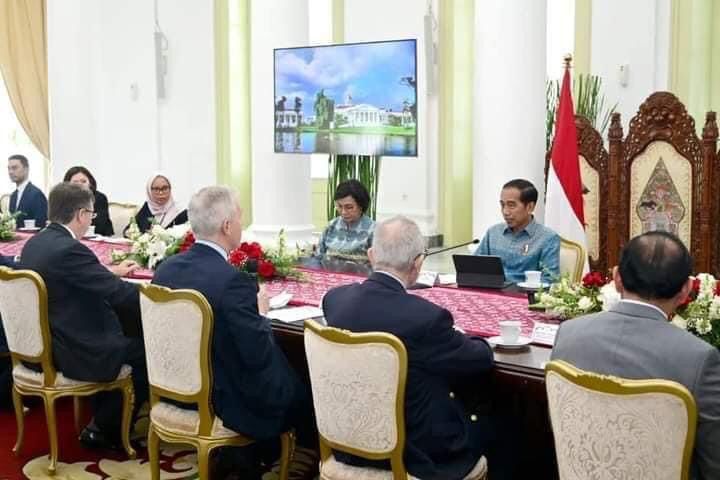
516,386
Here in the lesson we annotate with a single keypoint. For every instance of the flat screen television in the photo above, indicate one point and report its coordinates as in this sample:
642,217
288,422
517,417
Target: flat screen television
347,99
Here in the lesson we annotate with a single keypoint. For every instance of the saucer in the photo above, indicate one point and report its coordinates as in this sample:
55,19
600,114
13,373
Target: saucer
521,342
28,229
533,286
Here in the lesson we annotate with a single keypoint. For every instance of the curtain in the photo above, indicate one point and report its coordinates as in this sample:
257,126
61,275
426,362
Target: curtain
23,63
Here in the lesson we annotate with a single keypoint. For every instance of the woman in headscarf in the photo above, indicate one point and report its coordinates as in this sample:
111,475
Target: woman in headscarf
160,208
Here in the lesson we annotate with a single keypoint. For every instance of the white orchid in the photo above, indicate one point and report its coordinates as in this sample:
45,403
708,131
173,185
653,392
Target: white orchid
153,246
608,296
585,303
680,322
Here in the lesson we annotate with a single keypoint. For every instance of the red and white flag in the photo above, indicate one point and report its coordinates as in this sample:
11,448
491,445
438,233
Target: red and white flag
564,201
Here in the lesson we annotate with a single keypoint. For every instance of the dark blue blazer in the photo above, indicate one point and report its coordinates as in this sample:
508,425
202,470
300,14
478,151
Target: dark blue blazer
33,204
254,387
88,339
441,440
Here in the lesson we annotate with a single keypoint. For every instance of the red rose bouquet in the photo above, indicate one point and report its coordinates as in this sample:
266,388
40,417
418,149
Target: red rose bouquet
250,258
266,264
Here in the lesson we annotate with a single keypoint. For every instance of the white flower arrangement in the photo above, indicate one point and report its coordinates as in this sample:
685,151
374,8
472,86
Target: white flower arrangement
566,299
150,248
700,313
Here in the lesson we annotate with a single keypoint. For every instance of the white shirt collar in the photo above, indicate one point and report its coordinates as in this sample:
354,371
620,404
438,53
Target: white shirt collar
21,187
215,247
393,277
68,229
645,304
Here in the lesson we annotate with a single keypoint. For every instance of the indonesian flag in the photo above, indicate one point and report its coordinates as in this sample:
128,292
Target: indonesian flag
564,201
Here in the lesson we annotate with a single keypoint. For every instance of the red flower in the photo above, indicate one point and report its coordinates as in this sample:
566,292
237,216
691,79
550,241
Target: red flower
266,269
253,250
593,279
685,302
717,288
696,286
187,242
237,258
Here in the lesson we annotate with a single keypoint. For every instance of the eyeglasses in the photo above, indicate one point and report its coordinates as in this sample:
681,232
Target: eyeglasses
92,213
163,189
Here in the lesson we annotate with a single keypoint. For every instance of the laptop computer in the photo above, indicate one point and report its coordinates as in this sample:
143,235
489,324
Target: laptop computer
480,271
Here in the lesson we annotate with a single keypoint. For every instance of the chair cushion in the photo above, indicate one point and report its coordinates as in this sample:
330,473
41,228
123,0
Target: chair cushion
334,470
30,378
184,421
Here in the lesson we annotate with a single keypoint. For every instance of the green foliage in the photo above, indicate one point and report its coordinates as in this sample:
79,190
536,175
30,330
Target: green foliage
284,259
588,100
365,168
8,223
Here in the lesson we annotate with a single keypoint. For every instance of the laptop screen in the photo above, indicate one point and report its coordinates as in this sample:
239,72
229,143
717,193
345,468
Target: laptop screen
483,264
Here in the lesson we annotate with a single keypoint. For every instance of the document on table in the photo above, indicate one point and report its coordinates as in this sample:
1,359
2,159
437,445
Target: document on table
294,314
447,279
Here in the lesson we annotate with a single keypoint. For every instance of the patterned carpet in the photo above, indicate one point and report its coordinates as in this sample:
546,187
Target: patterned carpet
76,463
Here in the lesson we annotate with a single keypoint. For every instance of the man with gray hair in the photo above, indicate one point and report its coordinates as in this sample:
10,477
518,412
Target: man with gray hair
443,441
255,391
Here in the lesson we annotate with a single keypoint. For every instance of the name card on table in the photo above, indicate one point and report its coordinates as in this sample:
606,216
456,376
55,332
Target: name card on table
544,333
427,278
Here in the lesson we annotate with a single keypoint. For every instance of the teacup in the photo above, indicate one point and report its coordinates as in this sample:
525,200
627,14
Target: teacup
90,231
510,330
30,223
533,277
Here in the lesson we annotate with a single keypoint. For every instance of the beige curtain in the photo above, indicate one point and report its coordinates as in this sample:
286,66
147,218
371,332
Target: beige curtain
23,63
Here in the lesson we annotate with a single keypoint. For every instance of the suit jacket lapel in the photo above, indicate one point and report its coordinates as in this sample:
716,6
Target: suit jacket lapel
13,201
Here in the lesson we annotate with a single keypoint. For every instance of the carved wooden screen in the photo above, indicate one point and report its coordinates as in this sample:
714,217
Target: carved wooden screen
594,174
664,180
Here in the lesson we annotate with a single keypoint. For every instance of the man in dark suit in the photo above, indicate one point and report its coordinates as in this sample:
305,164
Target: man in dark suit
255,391
443,440
88,339
635,340
27,198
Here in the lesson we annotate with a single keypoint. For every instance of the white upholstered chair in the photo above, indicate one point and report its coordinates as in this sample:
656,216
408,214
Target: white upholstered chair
23,307
572,259
358,387
120,215
5,203
630,428
177,329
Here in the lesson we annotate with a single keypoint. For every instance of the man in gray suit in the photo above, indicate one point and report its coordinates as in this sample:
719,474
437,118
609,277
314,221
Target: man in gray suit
635,340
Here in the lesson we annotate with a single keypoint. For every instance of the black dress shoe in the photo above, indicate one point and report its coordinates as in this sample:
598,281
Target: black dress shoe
95,439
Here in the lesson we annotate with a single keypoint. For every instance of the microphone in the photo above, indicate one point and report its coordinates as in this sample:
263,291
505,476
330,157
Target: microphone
475,240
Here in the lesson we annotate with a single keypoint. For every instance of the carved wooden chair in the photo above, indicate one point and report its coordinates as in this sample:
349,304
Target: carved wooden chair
637,428
662,179
594,174
368,421
23,307
177,329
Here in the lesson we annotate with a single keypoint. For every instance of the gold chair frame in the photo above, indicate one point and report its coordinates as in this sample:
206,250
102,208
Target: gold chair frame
204,441
613,385
348,338
581,254
48,391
